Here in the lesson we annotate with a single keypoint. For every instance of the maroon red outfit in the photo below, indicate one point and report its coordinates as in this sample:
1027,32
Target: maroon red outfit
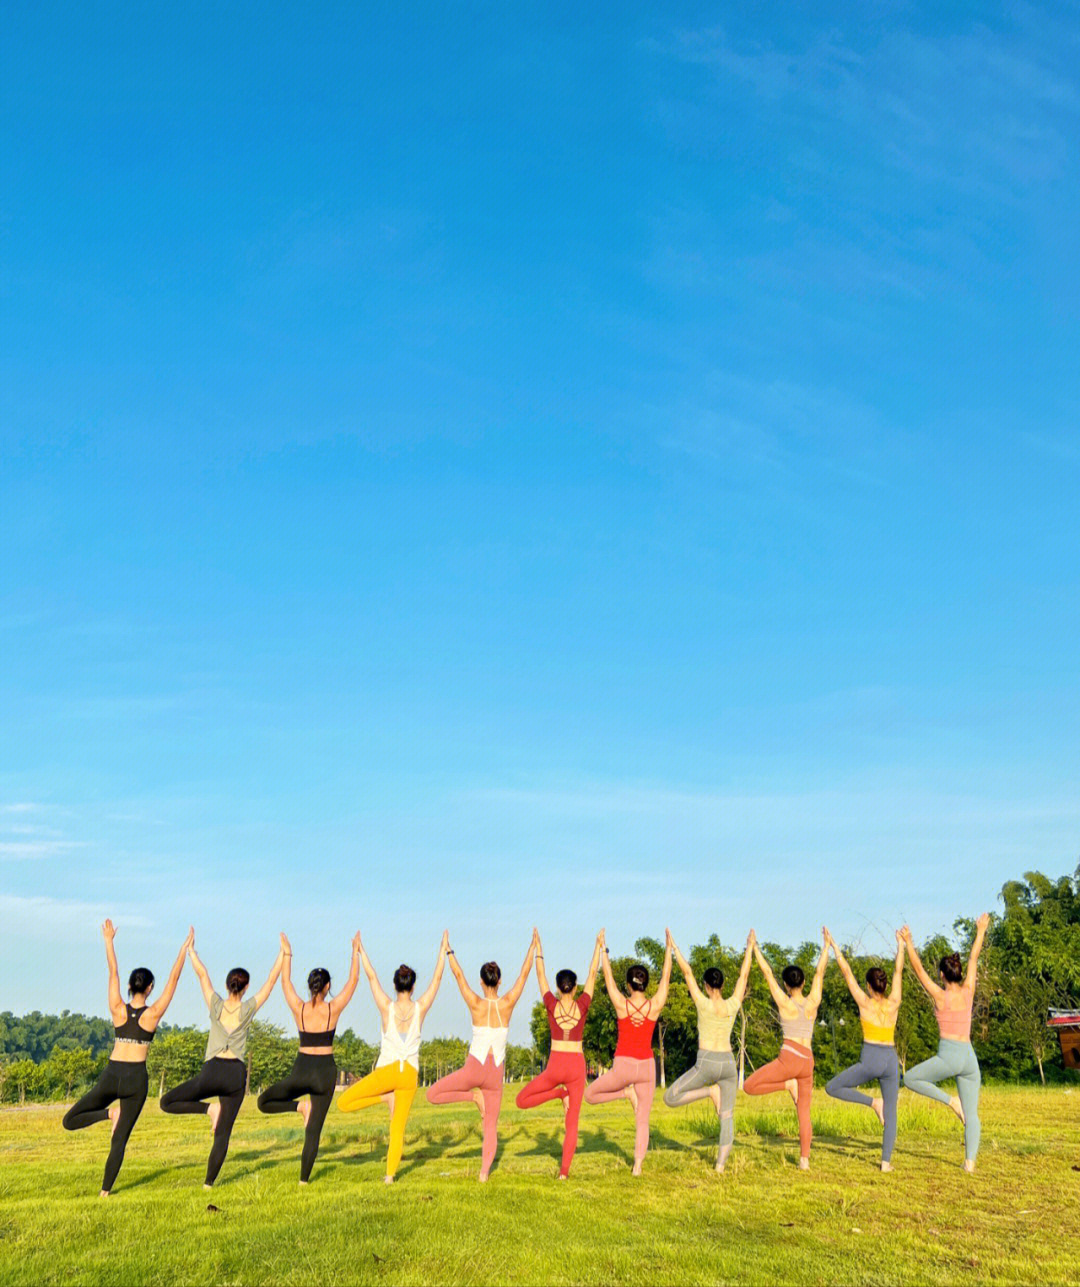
564,1076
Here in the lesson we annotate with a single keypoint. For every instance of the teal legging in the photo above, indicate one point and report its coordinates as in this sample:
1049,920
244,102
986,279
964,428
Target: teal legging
953,1059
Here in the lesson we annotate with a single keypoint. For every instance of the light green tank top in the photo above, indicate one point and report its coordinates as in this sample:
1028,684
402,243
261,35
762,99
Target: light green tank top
220,1040
714,1030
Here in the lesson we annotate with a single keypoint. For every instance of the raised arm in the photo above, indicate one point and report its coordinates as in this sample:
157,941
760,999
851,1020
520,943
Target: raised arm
849,976
688,974
896,992
291,999
157,1010
514,995
380,997
436,978
660,995
263,993
200,970
973,960
617,998
590,982
778,993
116,1001
814,997
541,974
346,994
928,983
744,972
470,998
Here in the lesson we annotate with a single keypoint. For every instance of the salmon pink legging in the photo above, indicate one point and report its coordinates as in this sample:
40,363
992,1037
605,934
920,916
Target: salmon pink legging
563,1078
624,1072
459,1086
794,1063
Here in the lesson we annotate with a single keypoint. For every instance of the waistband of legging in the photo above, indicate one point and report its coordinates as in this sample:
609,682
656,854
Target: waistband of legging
566,1047
880,1045
118,1064
797,1050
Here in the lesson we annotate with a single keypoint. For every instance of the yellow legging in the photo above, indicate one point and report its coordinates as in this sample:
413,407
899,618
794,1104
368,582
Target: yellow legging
390,1079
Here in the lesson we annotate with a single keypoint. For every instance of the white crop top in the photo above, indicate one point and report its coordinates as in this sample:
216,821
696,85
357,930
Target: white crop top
400,1048
489,1039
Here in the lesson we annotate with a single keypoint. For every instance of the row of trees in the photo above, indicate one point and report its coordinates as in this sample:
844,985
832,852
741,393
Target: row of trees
1030,962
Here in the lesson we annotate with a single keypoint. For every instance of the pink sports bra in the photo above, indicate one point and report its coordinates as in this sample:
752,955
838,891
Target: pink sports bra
955,1025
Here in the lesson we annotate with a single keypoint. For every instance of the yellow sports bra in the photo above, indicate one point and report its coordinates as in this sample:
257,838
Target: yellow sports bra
872,1032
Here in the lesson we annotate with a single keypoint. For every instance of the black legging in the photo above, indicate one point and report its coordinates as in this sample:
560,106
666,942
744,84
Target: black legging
313,1075
118,1081
225,1078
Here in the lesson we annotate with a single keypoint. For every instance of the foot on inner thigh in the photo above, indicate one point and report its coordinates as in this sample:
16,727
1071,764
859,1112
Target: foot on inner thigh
213,1111
956,1106
478,1100
792,1088
878,1105
114,1117
304,1109
631,1094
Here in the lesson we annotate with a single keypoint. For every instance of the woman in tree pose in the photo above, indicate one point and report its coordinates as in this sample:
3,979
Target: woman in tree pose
314,1073
224,1071
393,1079
564,1076
955,1056
120,1092
877,1061
632,1074
793,1069
714,1075
481,1079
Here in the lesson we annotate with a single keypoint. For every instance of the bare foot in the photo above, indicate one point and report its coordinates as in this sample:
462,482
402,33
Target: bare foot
804,1164
720,1168
388,1179
478,1100
722,1157
562,1177
213,1111
114,1117
956,1106
482,1177
969,1165
878,1106
208,1186
304,1109
631,1095
886,1166
303,1184
104,1193
636,1169
792,1088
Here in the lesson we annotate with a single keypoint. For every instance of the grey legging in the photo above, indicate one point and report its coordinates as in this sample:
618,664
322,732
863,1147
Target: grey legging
953,1059
877,1062
713,1068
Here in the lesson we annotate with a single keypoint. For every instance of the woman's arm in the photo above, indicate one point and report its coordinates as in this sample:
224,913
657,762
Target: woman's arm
117,1009
617,998
896,992
436,978
157,1010
200,970
688,974
346,994
660,995
541,974
291,999
973,960
849,977
744,973
814,997
590,982
935,993
778,994
263,993
514,995
380,997
468,995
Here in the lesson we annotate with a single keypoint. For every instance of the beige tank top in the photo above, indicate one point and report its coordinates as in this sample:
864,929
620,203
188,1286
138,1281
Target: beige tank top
714,1030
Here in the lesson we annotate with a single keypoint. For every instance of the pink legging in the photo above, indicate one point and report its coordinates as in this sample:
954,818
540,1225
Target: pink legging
639,1073
457,1087
792,1064
563,1078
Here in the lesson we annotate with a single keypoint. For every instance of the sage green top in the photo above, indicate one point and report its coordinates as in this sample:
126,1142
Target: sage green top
221,1041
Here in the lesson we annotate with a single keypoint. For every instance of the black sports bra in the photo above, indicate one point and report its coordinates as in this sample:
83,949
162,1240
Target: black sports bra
130,1030
321,1038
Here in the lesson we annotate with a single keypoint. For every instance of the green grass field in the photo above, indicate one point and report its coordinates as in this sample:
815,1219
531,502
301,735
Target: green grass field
1015,1220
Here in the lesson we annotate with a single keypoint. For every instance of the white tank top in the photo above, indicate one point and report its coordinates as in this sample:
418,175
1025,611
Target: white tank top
400,1048
489,1039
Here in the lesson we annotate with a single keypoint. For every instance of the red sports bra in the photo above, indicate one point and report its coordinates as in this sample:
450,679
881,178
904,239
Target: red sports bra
635,1031
558,1032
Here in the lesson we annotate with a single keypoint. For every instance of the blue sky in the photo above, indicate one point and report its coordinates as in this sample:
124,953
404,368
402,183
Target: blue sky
485,466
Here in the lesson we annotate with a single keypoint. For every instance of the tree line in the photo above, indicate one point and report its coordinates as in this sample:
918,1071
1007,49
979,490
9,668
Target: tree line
1031,961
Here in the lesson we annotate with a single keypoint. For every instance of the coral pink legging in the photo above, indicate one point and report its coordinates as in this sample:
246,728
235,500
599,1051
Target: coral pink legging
639,1073
563,1078
458,1087
794,1063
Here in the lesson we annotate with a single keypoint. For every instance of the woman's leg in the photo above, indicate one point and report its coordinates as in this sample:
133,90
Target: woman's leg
922,1077
404,1090
548,1085
282,1097
789,1066
457,1087
843,1085
231,1082
729,1085
322,1080
491,1087
968,1081
369,1090
132,1096
190,1095
574,1078
803,1071
769,1078
612,1084
94,1105
889,1081
694,1084
644,1083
